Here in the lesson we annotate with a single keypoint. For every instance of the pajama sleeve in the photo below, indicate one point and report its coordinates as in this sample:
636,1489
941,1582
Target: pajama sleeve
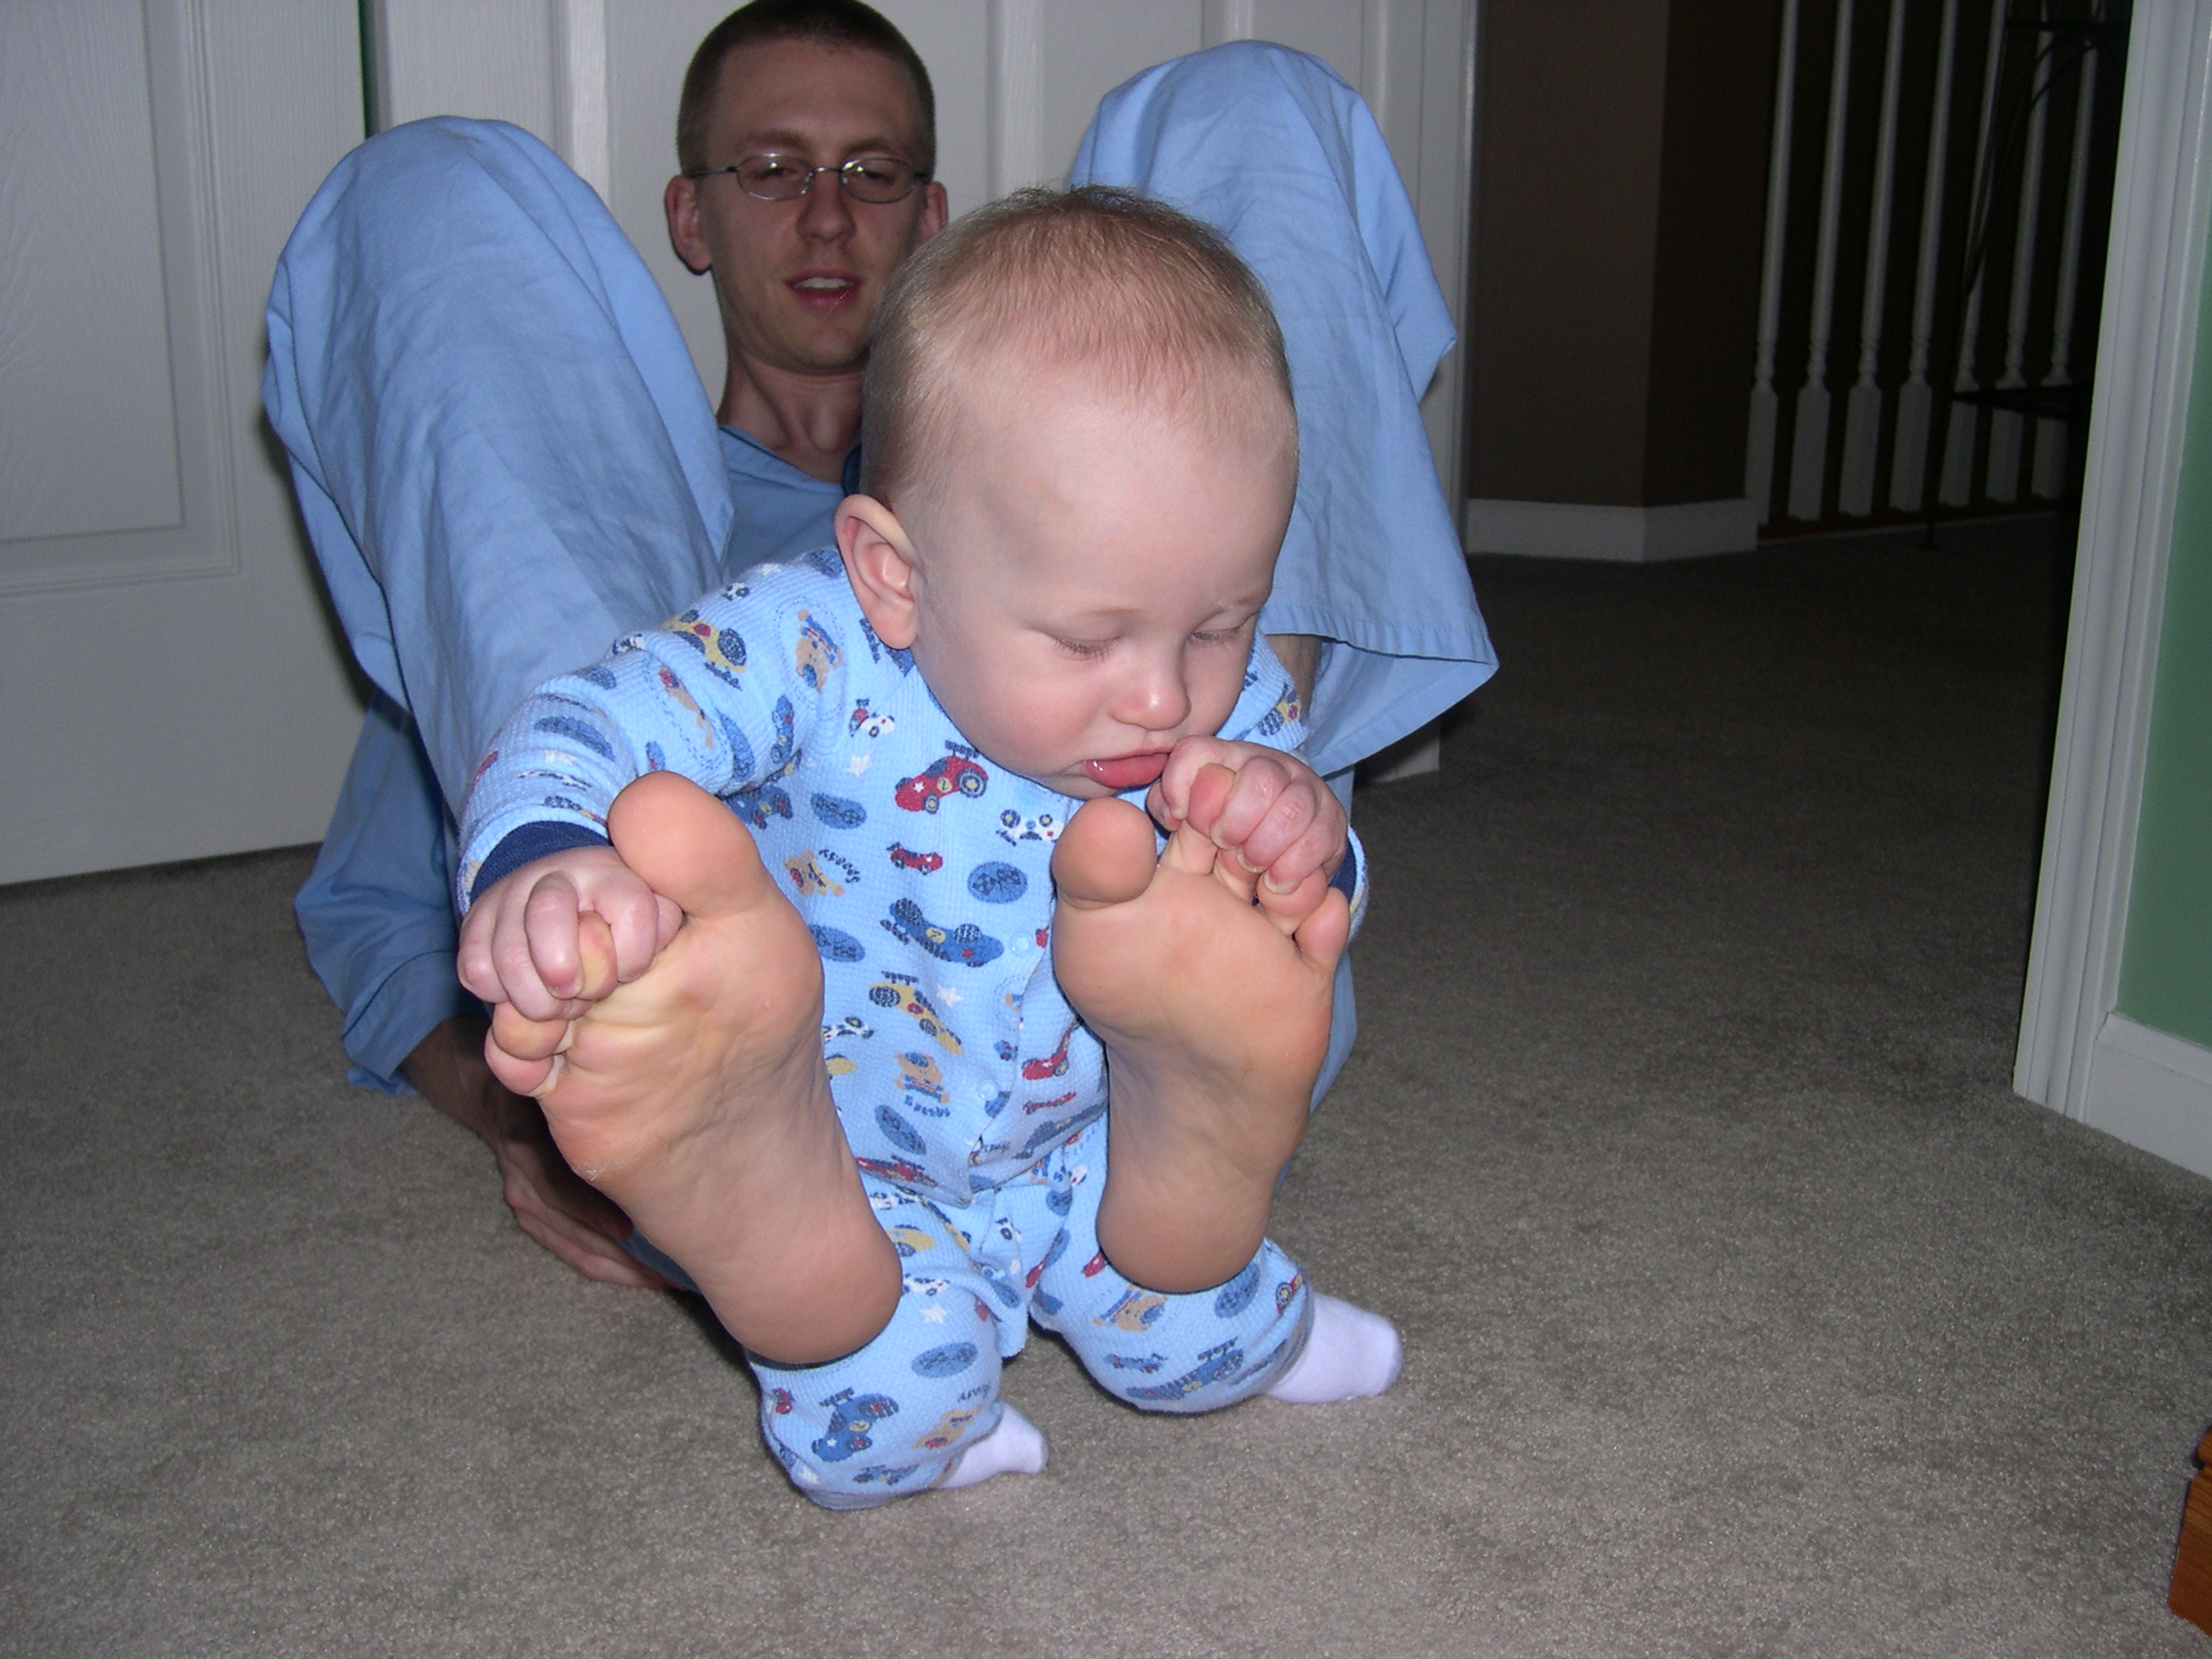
726,694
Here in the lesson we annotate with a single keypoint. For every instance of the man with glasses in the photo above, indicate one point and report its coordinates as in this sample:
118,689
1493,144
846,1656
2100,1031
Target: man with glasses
506,461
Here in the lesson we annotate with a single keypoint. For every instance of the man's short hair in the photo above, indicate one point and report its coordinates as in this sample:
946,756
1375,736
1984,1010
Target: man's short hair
1148,302
841,25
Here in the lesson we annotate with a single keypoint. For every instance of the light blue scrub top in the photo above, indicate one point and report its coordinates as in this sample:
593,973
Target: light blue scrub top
505,459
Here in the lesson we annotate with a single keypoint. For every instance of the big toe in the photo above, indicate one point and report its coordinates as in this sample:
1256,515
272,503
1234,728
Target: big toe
686,845
1106,855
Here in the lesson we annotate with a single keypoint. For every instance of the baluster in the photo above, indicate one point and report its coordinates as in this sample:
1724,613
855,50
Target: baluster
2009,427
1809,454
1916,398
1957,487
1759,450
1862,412
2052,435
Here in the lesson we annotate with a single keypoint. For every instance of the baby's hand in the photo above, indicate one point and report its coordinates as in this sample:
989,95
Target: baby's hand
559,933
1274,816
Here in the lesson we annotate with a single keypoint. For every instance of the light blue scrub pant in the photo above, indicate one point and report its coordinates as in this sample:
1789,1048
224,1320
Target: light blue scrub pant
507,461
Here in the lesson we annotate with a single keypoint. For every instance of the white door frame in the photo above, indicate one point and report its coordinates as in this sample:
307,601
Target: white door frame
2146,348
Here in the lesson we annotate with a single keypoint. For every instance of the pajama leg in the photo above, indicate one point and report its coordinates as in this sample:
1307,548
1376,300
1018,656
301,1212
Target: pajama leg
889,1419
1270,148
377,910
506,461
1161,1353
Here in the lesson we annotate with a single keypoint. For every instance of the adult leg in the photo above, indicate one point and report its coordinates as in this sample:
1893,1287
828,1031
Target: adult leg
1274,151
502,450
506,461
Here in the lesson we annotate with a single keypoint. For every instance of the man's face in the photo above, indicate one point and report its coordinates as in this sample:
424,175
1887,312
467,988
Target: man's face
1090,578
799,282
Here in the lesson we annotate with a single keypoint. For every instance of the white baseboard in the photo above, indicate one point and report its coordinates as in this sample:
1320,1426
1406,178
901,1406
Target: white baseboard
2151,1090
1554,530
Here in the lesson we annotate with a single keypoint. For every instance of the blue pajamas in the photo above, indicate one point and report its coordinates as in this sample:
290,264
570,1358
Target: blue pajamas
497,490
889,1419
974,1099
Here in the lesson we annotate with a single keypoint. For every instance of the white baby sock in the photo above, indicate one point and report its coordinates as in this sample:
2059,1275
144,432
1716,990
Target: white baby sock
1013,1448
1351,1354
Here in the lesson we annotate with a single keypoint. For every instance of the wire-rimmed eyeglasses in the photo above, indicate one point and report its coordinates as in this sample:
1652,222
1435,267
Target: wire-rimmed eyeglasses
878,179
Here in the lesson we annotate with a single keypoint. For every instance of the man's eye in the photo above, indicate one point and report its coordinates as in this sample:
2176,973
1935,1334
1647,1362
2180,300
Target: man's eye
767,170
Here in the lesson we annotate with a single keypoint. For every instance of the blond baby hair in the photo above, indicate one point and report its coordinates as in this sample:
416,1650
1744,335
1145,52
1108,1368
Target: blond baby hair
1150,304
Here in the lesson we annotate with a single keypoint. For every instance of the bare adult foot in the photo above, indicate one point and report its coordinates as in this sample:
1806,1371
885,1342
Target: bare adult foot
1215,1019
696,1098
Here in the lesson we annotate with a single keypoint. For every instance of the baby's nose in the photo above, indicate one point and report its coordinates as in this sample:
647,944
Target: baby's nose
1159,701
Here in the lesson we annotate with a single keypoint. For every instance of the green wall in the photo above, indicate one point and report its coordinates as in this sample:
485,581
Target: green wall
2165,977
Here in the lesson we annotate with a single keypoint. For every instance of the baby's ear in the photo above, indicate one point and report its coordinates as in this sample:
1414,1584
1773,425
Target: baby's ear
879,563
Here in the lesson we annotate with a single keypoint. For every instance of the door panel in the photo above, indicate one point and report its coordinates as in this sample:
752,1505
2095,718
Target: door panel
170,684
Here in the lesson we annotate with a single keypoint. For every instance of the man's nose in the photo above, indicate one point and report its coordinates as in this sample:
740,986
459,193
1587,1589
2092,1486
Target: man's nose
824,213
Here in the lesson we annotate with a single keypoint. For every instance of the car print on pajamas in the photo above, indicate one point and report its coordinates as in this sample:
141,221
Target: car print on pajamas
1136,1310
897,1169
967,943
919,1074
850,1420
921,863
899,991
885,1474
810,880
1013,826
1148,1363
1053,1064
864,721
1217,1364
683,699
724,648
760,804
815,655
909,1240
949,1427
949,774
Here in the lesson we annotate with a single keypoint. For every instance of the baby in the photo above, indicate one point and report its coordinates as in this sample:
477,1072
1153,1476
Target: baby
862,1094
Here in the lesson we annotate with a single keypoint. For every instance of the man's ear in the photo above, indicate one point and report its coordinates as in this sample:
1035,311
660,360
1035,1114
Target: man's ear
879,563
681,201
937,210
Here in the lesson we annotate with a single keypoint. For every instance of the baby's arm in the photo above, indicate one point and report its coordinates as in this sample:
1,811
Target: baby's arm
544,941
1267,809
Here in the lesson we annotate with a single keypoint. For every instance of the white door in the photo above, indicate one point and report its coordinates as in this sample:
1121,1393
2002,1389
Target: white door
170,685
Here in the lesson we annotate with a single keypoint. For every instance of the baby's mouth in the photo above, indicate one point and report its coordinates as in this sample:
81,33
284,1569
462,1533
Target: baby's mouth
1129,771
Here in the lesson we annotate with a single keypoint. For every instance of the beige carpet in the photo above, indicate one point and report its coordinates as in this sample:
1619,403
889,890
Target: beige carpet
1747,1312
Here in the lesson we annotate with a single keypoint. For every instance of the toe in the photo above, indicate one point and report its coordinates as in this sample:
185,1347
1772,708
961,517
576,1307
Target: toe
687,846
1105,856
